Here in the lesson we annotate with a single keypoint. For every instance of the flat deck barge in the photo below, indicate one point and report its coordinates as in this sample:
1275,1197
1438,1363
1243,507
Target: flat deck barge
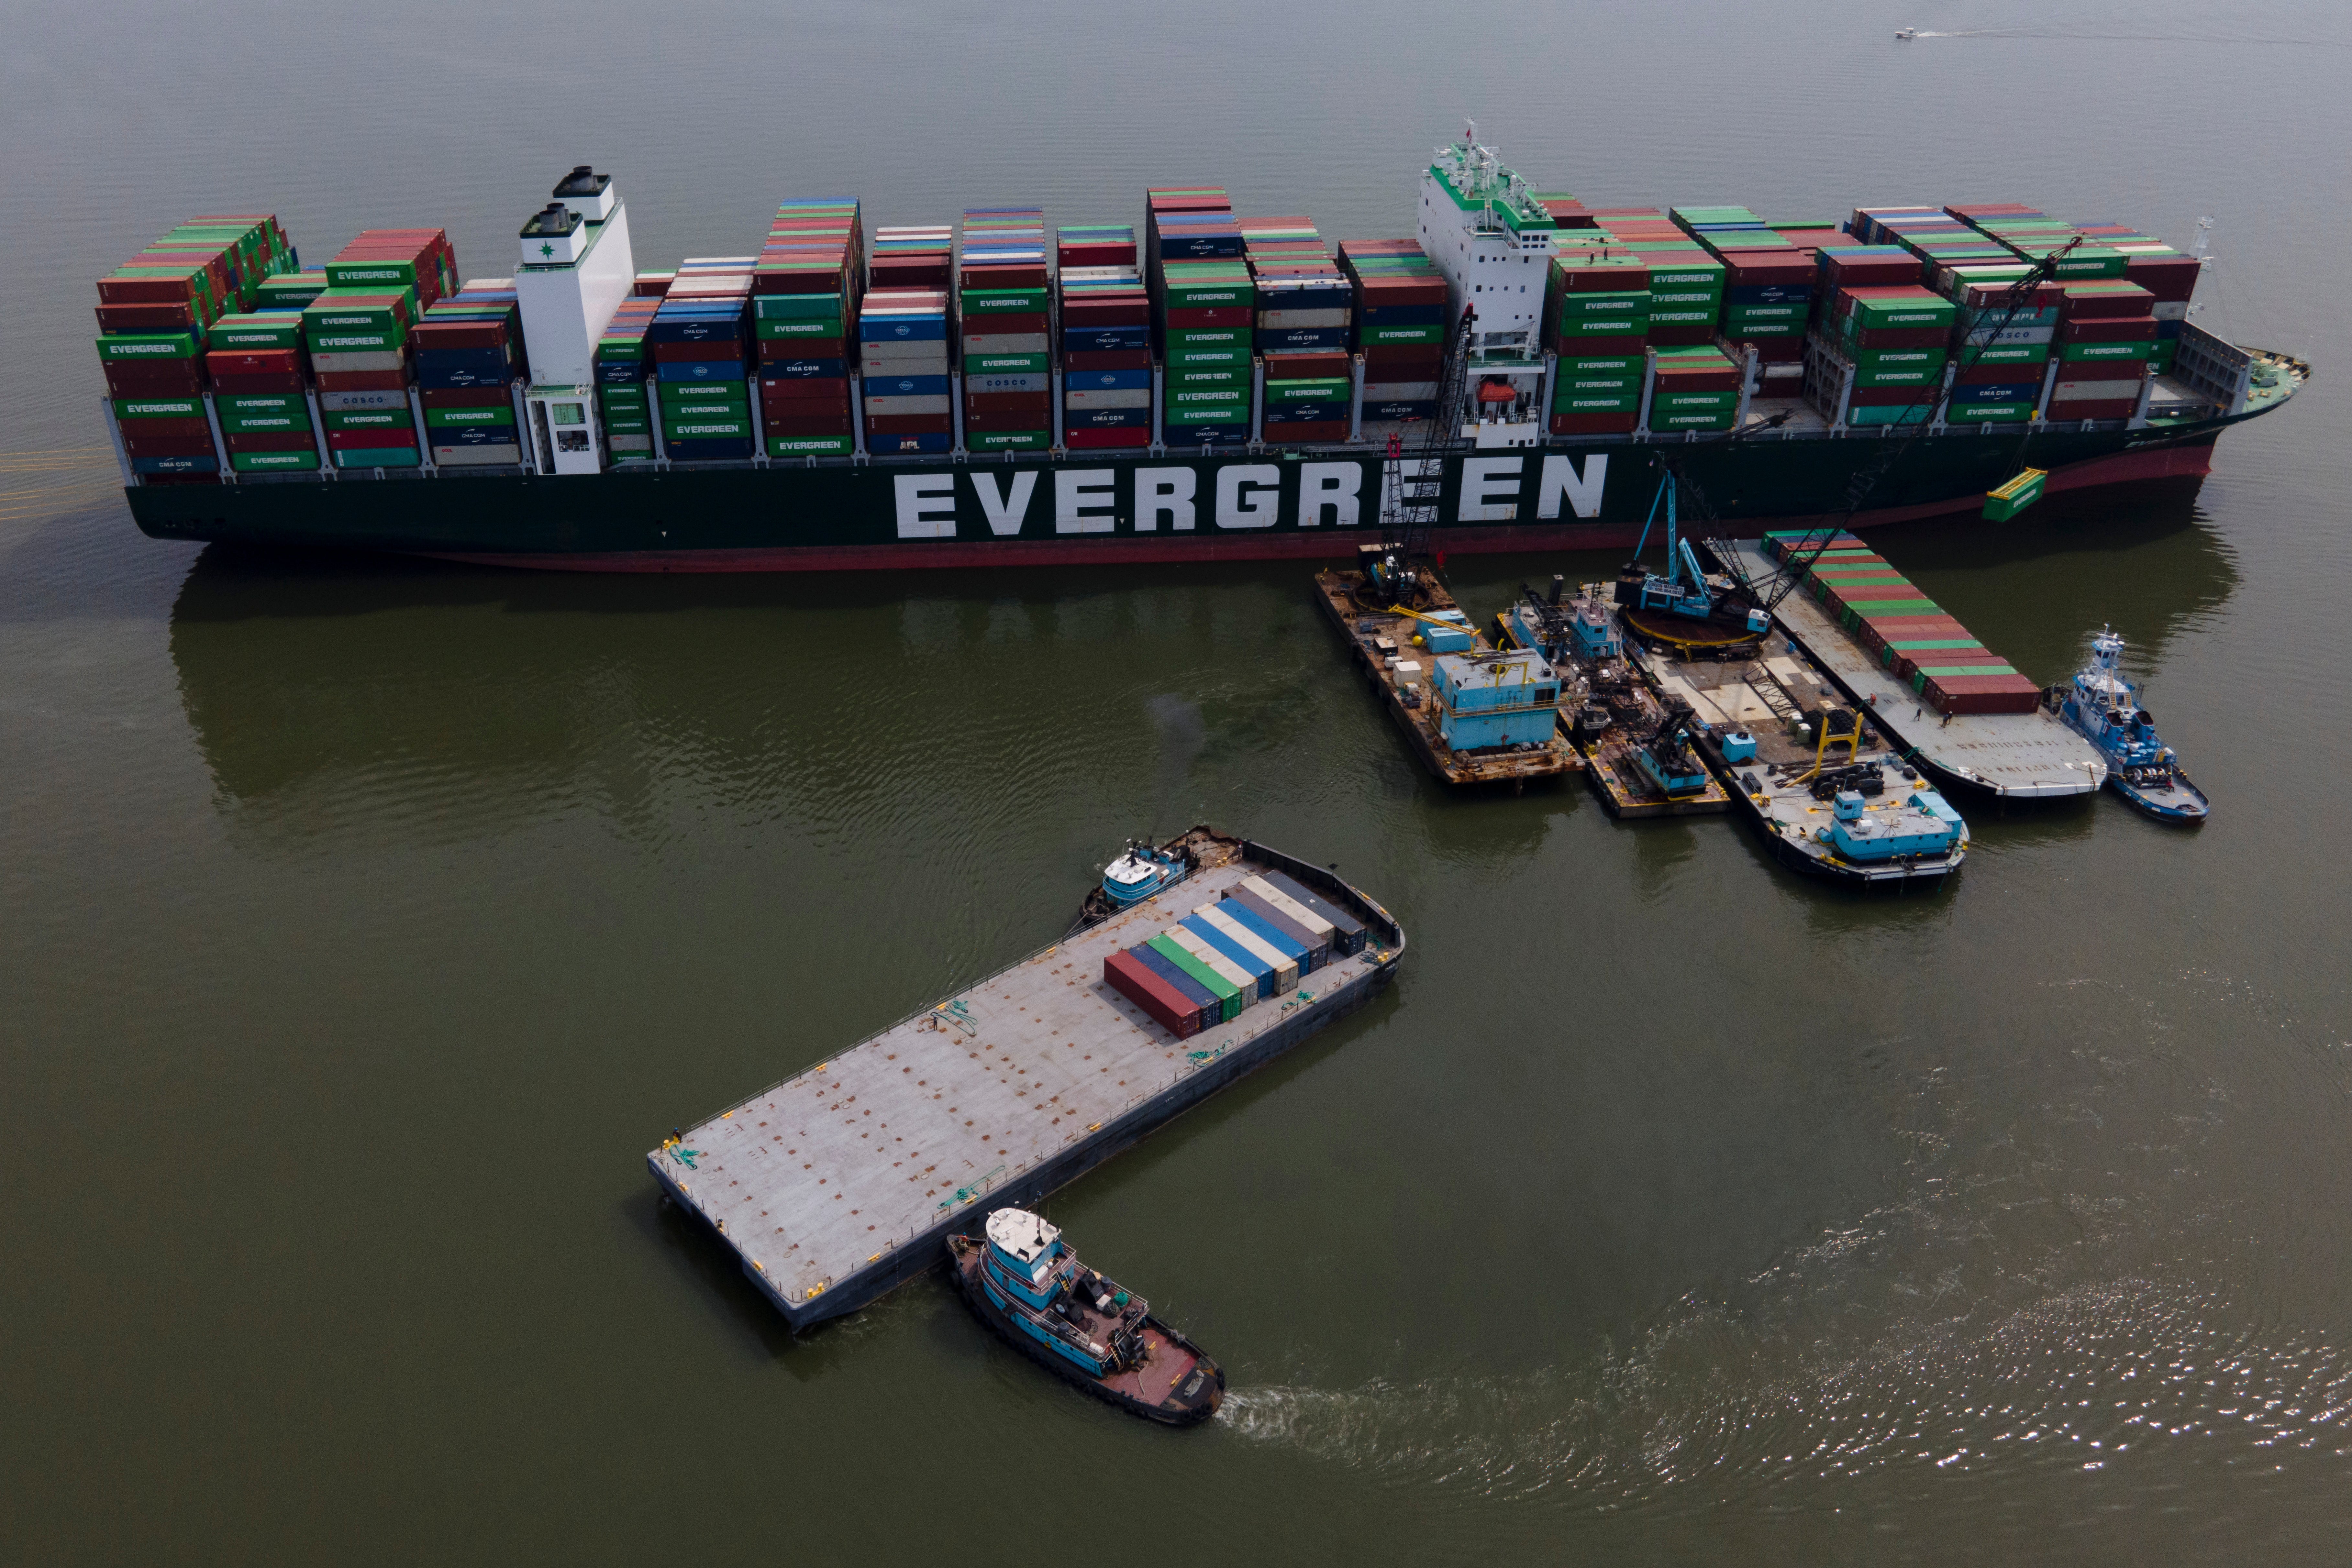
2015,756
1381,642
842,1181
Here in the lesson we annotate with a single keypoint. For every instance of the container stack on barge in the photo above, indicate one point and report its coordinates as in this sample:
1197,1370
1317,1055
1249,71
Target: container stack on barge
1474,713
844,1180
1602,330
1915,674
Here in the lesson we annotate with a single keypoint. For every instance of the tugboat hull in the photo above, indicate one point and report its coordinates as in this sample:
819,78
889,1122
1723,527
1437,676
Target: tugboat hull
1177,1385
2181,803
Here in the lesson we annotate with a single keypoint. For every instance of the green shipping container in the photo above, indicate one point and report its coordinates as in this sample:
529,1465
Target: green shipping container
1008,440
1399,337
705,426
276,420
1693,402
1988,412
191,407
2075,352
266,462
704,395
796,306
447,418
372,419
120,347
808,446
983,301
808,327
1007,364
1207,359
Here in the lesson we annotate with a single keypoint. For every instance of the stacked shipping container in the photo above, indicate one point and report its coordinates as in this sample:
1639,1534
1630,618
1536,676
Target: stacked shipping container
805,290
469,358
1597,320
1913,637
1203,301
1400,331
700,339
902,345
1252,944
1003,304
1303,314
1106,340
623,364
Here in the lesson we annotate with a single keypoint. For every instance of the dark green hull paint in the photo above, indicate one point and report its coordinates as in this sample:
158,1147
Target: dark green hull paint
1084,508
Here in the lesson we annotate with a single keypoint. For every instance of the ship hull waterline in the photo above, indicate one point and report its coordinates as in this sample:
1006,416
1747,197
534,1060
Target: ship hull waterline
1086,509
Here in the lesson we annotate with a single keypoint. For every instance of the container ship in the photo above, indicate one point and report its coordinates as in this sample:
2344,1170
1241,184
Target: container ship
997,390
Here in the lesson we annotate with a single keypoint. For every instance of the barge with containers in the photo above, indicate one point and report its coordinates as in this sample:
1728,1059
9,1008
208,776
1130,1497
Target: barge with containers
1223,388
1910,670
848,1178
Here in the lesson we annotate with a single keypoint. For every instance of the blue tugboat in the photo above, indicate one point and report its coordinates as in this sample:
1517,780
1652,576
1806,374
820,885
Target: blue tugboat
2104,709
1139,872
1025,1284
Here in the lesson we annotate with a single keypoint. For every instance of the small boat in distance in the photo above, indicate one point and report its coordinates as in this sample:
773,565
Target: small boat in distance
2104,709
1025,1284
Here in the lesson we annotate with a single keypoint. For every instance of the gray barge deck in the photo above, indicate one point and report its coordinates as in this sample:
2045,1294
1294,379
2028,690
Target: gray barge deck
843,1181
2020,756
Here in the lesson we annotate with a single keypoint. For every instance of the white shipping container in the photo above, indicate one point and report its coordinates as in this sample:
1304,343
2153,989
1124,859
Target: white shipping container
905,359
1291,907
1286,972
352,364
1233,974
479,456
1110,397
1276,321
2087,392
919,402
1004,343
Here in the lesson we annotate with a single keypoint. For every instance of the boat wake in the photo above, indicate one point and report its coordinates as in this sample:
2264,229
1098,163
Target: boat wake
2088,1380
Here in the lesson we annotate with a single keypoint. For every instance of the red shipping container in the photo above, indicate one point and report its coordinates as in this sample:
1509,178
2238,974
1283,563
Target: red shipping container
1980,374
179,480
1585,273
2119,408
1009,402
718,351
370,440
811,408
466,397
1038,418
196,424
656,287
179,318
2108,330
1683,334
154,378
173,287
1862,272
908,424
807,423
780,350
1604,347
1093,310
1069,255
1106,440
264,382
1983,694
1414,364
253,363
1768,350
2085,302
1901,338
1755,268
1593,424
165,445
1005,275
1306,429
804,388
360,381
1164,1003
1889,397
1307,366
1209,316
1379,293
459,334
1108,360
996,322
1724,380
2171,278
270,441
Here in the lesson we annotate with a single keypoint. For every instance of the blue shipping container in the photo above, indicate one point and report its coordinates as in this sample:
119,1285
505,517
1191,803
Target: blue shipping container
701,370
1191,989
902,329
175,465
2020,392
801,370
1256,967
1104,340
1768,294
906,386
1253,914
1106,381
